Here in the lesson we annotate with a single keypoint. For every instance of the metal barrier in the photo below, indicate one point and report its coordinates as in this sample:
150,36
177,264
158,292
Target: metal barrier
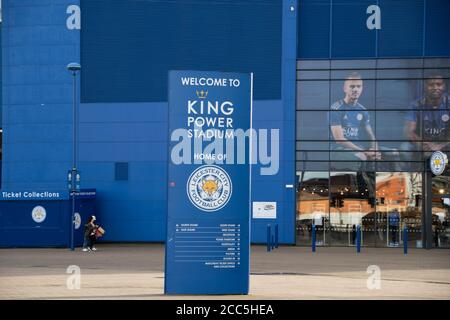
405,240
313,240
358,238
272,239
276,236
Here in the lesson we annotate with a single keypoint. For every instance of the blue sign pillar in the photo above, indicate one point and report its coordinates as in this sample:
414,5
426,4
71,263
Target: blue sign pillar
208,221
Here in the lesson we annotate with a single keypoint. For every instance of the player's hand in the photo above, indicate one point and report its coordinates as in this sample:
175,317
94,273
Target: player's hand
372,154
362,155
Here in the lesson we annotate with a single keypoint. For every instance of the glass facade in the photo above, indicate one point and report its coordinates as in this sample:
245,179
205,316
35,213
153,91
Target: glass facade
440,212
365,129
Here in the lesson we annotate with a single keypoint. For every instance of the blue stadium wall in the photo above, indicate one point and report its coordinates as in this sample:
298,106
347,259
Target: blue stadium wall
127,47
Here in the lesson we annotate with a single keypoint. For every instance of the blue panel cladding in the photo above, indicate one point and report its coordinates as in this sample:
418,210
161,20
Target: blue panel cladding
401,34
267,188
1,68
272,115
289,86
129,46
350,36
135,133
437,26
37,99
18,229
337,29
313,29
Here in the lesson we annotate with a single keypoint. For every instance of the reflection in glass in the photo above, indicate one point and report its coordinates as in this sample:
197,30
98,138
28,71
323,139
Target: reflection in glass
440,185
312,206
351,204
398,205
441,222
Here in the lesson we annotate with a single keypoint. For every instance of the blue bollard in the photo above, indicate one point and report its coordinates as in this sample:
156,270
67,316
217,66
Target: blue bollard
405,240
273,242
276,236
268,238
358,238
313,243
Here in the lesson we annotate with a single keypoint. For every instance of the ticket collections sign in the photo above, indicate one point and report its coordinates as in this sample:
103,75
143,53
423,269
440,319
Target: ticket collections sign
208,221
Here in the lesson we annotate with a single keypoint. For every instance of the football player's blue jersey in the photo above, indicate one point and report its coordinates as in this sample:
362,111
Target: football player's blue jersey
352,118
432,123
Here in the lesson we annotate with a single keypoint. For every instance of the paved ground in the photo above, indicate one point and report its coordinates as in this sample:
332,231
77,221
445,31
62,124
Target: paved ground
135,271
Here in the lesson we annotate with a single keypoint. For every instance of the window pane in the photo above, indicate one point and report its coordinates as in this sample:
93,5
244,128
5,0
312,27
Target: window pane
313,145
397,94
303,75
312,205
437,63
353,64
312,125
441,222
313,95
313,166
313,64
400,63
444,72
413,74
390,125
362,166
399,205
352,204
313,156
441,185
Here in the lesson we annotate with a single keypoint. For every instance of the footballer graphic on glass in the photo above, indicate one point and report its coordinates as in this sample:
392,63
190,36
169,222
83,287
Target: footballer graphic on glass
348,120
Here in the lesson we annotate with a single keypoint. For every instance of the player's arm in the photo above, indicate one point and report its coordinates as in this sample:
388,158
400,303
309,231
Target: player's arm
373,153
373,143
338,136
410,131
442,146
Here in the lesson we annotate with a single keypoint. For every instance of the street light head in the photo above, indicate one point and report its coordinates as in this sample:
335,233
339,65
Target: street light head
74,67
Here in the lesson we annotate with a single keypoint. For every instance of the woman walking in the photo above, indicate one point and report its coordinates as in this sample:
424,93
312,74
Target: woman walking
89,234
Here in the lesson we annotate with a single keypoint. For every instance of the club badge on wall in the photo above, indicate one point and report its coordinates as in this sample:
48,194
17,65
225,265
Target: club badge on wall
438,163
38,214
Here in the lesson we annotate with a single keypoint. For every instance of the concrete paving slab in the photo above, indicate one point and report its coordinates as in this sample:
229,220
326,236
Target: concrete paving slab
136,271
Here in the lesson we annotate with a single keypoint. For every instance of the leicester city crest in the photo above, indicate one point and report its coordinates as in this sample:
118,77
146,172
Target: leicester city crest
38,214
438,163
209,188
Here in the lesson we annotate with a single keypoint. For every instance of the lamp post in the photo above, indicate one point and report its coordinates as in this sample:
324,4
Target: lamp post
73,174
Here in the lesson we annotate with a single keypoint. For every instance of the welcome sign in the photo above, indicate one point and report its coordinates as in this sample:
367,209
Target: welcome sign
208,221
